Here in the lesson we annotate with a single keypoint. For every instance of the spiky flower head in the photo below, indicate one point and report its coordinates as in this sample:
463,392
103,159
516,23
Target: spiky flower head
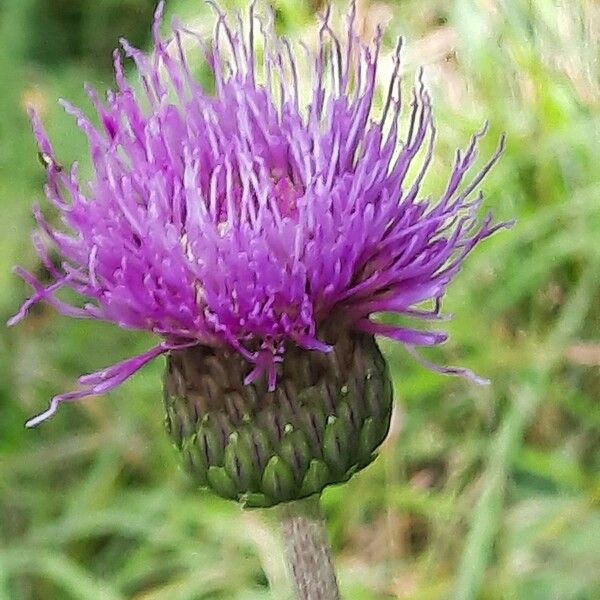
263,224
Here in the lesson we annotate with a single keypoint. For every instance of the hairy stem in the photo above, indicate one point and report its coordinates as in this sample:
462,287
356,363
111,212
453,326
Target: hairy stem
307,550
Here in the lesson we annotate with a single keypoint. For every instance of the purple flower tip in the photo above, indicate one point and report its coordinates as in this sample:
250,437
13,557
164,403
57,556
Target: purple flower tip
250,216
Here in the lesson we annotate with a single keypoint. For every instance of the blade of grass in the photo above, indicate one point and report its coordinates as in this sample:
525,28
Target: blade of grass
60,570
507,442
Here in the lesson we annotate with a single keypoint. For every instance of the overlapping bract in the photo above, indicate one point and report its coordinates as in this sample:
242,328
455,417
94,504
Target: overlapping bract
247,217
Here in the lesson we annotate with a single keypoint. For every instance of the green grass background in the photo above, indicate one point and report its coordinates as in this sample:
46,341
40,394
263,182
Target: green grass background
488,493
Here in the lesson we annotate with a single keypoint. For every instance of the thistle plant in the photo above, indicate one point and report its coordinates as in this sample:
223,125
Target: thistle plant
258,231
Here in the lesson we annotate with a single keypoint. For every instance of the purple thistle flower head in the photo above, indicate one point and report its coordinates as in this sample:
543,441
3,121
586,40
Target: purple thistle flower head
252,216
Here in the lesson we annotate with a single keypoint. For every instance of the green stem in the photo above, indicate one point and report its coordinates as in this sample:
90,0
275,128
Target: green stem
307,550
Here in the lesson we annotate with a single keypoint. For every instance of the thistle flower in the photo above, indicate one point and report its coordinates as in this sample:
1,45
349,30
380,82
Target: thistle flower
258,231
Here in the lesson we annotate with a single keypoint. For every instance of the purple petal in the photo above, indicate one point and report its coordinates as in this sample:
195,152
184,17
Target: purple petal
107,379
247,218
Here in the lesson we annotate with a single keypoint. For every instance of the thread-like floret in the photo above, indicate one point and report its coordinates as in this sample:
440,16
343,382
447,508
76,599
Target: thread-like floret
248,217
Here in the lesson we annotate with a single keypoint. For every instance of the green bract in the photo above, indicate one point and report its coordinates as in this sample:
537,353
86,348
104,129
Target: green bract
322,423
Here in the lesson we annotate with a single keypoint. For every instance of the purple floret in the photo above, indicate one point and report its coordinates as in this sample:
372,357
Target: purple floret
247,217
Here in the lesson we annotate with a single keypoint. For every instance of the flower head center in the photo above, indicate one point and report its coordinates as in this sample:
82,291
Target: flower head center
286,195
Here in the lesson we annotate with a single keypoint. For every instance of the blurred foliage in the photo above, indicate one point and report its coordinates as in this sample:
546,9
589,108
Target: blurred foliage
84,30
487,493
